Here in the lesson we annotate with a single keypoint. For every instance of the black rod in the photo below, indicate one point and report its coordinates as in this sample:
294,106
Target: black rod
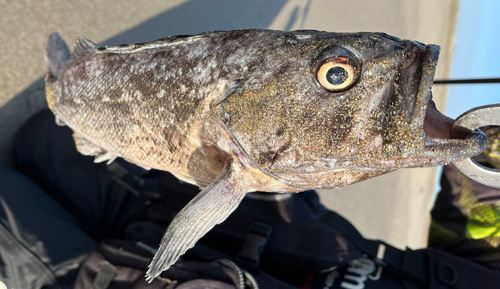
467,81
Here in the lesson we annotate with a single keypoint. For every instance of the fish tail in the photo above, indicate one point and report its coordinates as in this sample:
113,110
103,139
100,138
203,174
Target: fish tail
58,55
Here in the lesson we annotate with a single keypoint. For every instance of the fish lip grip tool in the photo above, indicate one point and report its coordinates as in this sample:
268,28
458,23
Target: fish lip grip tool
473,119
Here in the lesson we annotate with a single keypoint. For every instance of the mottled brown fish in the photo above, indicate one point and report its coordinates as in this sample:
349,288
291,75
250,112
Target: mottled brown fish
253,110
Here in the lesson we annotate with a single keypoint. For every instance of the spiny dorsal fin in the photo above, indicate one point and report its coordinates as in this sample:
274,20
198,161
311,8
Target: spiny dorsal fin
83,47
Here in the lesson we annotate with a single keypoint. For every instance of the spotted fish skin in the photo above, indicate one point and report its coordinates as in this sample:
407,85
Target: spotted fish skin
241,111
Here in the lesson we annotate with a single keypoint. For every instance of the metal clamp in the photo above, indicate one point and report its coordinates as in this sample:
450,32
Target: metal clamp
473,119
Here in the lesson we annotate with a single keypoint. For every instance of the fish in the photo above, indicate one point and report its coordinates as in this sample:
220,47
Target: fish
240,111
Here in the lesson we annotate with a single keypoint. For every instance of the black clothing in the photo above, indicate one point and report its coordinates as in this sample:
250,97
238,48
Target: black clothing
76,204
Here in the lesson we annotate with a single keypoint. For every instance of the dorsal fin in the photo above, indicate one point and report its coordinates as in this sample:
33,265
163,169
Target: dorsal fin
83,47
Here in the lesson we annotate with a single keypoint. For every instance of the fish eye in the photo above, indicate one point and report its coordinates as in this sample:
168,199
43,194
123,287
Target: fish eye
336,70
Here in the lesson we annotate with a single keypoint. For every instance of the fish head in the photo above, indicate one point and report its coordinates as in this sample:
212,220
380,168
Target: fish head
325,110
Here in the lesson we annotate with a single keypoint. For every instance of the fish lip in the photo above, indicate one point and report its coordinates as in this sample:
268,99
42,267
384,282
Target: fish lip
450,147
416,134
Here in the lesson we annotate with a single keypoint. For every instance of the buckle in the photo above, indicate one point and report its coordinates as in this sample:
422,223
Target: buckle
379,258
385,254
446,273
253,245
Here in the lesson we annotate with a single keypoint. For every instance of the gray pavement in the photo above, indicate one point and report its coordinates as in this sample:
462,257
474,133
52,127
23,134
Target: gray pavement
393,207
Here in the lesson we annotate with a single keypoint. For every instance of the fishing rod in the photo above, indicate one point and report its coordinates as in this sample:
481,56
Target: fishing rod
467,81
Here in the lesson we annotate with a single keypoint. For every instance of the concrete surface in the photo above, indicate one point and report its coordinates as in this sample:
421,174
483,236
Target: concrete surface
392,207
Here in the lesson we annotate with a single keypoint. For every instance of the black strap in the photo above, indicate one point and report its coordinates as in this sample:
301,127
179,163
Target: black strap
411,264
428,268
104,276
454,272
255,240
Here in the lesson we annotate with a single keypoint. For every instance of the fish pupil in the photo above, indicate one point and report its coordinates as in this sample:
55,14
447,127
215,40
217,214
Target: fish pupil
336,75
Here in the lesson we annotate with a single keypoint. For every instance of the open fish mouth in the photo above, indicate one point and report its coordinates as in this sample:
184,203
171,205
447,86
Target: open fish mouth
442,141
441,144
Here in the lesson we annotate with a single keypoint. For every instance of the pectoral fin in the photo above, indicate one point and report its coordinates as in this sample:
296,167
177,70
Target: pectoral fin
210,207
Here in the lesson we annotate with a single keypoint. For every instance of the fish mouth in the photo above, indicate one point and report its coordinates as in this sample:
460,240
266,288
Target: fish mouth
441,141
441,144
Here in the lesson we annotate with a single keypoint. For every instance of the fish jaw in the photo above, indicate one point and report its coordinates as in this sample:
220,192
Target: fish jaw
403,132
416,134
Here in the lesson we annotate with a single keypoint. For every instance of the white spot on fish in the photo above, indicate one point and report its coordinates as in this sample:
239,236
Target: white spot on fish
161,93
126,96
303,36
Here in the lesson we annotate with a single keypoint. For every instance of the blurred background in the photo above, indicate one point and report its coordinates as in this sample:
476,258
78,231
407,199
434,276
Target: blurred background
393,207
